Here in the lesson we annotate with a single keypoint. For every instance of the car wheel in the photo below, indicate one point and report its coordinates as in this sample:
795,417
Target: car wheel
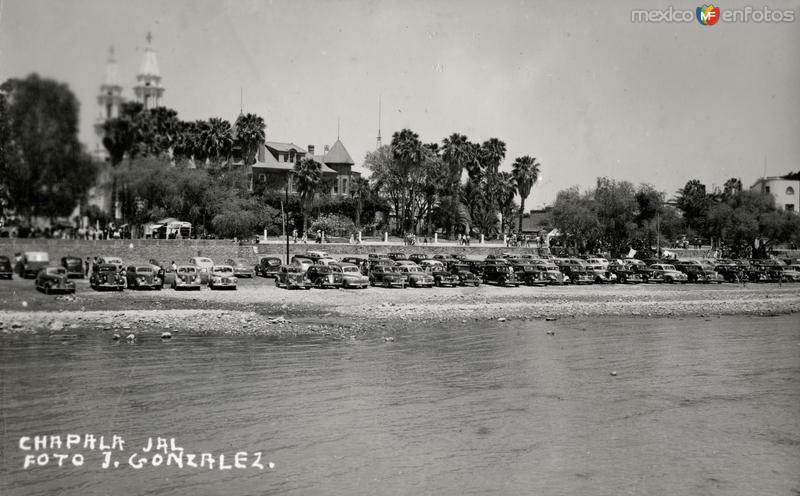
668,280
47,290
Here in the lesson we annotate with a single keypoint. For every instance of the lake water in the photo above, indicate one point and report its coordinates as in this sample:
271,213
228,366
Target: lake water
697,406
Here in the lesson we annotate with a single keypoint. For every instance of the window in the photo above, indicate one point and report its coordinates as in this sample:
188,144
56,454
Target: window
766,189
790,207
789,191
344,186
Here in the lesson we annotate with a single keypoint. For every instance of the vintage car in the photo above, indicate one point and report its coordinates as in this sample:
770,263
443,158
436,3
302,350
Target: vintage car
31,263
115,261
292,276
74,266
465,276
554,276
600,274
241,267
325,276
476,267
360,262
315,255
417,257
107,276
696,272
667,273
302,261
6,271
222,277
268,266
623,273
791,273
729,271
204,265
528,273
187,277
417,278
387,276
639,267
352,276
438,269
501,274
396,255
143,277
597,261
576,270
54,280
164,271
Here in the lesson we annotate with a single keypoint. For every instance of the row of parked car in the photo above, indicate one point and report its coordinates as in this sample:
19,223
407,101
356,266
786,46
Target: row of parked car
318,269
111,273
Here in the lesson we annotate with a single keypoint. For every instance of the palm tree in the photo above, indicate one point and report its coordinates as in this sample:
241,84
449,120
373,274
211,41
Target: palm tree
505,189
455,155
526,173
307,175
250,132
359,190
216,139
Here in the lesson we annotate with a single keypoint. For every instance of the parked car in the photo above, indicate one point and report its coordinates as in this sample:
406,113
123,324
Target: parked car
115,261
396,255
292,276
6,271
143,277
729,271
222,277
388,276
417,257
465,276
325,276
315,255
575,269
551,273
187,277
639,267
54,280
352,276
667,273
791,273
241,267
302,261
107,276
204,265
268,266
600,274
623,273
74,266
164,272
696,272
31,263
501,274
360,262
417,278
529,274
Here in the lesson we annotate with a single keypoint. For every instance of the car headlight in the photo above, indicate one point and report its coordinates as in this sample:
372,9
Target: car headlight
233,279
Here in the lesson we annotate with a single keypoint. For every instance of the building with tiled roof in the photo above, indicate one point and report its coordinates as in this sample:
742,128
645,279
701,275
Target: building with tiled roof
276,161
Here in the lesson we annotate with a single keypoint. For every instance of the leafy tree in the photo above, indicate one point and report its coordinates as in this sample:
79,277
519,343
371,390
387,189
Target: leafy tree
45,169
505,189
616,210
307,175
693,200
575,215
526,172
333,224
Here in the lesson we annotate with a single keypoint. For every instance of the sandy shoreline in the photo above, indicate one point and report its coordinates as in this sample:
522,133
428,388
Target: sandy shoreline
258,308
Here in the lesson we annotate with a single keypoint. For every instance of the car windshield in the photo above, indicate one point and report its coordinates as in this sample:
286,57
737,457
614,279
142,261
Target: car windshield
36,256
668,267
56,271
107,268
294,269
350,269
222,269
112,260
186,270
144,269
204,261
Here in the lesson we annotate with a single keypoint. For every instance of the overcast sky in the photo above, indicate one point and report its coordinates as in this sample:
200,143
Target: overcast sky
575,84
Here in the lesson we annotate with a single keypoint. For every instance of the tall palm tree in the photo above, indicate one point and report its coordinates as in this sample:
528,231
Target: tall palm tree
250,133
307,175
360,191
216,139
526,173
505,189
